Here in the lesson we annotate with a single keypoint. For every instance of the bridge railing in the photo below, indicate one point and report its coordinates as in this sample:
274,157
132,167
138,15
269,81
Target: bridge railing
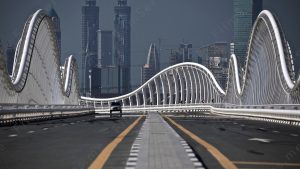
284,112
11,114
267,106
287,113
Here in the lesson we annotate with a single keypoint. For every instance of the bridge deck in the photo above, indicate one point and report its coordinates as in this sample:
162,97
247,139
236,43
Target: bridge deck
159,146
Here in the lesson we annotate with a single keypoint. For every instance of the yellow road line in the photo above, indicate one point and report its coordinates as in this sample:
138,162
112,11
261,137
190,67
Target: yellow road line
221,158
266,163
106,152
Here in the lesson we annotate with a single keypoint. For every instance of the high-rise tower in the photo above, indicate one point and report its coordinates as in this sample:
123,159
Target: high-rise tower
122,45
10,56
56,22
90,26
244,13
104,48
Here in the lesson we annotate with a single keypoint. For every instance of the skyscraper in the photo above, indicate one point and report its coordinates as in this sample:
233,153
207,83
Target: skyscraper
186,56
175,57
10,56
56,22
183,54
122,45
244,13
216,57
152,66
90,26
105,48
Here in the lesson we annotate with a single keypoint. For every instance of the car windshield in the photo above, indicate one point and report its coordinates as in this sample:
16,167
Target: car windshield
115,104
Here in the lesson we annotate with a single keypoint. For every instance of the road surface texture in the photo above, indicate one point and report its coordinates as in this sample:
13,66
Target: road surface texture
178,140
247,143
71,143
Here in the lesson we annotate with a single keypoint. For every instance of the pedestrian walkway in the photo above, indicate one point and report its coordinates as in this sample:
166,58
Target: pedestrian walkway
159,146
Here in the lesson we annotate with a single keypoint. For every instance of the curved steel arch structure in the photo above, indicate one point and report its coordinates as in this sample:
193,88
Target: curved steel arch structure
183,83
36,77
268,78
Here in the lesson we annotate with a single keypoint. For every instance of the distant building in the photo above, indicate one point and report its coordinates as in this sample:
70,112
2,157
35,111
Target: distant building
122,45
186,55
104,48
90,26
244,14
56,22
109,81
152,66
216,57
10,56
96,82
199,60
175,57
296,60
182,54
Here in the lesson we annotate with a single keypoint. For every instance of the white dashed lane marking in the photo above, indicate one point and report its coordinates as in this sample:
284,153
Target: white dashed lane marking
132,159
191,155
129,167
12,135
134,152
131,163
261,140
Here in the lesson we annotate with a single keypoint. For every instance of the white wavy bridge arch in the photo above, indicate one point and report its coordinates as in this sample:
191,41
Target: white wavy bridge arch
36,77
184,83
268,78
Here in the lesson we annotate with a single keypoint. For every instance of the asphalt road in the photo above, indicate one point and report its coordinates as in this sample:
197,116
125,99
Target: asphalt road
60,144
247,143
76,142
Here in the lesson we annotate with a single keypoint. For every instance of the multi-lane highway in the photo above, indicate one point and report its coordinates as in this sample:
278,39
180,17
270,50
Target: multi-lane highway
246,143
66,143
181,140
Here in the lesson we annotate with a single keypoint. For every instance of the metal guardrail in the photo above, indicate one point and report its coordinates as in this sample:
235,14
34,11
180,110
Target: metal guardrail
11,114
275,111
276,114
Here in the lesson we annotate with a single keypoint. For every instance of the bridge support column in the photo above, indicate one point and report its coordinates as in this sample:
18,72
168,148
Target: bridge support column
168,74
187,90
196,80
144,96
157,91
130,102
210,89
137,97
182,88
123,101
199,88
163,89
176,86
203,88
151,93
192,91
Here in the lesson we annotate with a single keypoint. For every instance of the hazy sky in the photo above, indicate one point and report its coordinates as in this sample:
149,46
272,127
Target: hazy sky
195,21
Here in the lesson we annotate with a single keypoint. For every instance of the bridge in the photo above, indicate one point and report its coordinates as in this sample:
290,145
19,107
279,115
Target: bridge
180,118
